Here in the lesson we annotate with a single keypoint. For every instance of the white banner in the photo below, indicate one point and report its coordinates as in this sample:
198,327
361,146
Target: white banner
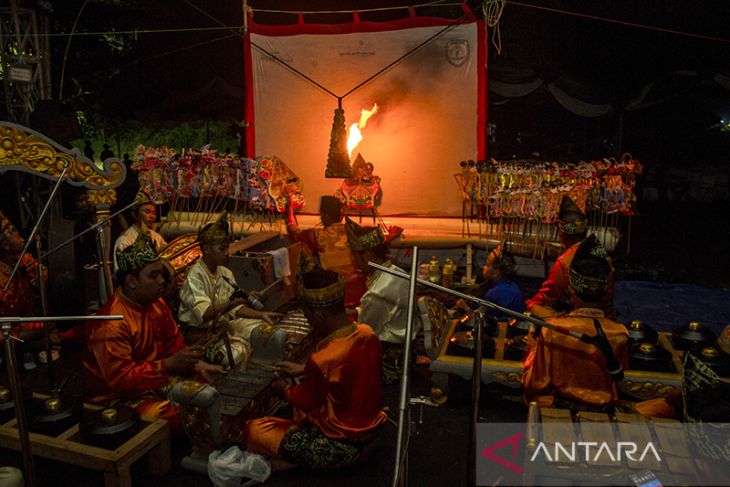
426,122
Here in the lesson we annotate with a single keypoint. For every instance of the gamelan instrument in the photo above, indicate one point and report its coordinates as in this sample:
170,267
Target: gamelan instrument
217,414
178,256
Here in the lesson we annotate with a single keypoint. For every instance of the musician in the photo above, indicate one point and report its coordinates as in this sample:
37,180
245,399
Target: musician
327,246
552,298
144,215
561,369
384,306
136,360
209,294
338,403
499,273
20,297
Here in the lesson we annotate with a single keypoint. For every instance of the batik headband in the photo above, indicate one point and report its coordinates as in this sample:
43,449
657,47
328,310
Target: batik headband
365,241
216,233
324,296
7,229
138,255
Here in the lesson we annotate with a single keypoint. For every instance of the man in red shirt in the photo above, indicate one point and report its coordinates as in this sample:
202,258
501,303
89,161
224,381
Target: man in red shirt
553,298
136,360
338,403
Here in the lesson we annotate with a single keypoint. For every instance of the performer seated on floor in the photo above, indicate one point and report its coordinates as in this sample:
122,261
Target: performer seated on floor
209,296
384,306
561,368
20,297
135,361
327,246
338,404
144,215
502,290
552,298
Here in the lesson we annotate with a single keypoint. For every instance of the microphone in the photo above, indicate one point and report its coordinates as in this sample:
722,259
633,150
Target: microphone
253,302
613,366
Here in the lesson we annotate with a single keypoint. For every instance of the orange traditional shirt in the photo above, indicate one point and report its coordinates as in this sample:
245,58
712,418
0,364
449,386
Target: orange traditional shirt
341,392
125,358
561,365
554,290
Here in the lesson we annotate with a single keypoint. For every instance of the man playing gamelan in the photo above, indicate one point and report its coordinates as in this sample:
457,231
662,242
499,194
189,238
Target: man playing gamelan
338,404
207,297
136,360
384,306
552,298
561,367
144,215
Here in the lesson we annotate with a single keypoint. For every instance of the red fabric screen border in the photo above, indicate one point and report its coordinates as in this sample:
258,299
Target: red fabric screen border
358,26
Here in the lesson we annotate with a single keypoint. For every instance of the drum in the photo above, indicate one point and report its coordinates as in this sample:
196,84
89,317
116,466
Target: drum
178,256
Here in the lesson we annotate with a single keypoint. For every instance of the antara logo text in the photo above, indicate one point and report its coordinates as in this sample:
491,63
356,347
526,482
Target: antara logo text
592,452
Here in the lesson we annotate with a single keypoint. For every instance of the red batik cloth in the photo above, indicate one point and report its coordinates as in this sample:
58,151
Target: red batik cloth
340,393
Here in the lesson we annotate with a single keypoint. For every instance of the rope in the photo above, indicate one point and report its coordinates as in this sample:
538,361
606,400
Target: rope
492,10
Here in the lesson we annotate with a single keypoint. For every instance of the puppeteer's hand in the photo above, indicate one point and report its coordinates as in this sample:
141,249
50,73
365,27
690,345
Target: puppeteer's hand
209,371
290,369
184,360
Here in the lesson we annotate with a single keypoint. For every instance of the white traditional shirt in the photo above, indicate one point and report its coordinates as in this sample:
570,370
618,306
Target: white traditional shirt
129,236
385,306
202,289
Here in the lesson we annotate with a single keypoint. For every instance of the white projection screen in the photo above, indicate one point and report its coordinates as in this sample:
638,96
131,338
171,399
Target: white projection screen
432,104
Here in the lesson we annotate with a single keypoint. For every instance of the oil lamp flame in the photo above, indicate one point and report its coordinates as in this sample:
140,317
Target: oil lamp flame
355,135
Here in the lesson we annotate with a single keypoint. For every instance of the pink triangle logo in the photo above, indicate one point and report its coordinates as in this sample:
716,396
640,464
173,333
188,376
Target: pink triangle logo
514,441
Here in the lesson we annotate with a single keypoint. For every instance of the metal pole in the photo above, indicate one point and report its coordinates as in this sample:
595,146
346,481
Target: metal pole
15,386
37,224
44,308
21,419
401,449
476,383
484,302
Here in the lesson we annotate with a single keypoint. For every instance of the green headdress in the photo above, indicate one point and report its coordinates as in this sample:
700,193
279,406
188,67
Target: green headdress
138,255
363,238
571,219
320,288
7,229
590,268
215,233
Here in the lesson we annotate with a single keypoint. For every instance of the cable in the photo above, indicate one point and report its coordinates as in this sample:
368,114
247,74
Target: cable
492,10
620,22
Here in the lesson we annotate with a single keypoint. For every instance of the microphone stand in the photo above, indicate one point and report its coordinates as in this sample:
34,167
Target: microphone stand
478,339
44,309
37,225
6,324
400,476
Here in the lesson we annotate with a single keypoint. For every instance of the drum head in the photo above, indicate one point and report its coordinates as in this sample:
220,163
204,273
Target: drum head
178,256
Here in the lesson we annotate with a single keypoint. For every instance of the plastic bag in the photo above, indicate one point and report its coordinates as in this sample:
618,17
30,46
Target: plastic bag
228,468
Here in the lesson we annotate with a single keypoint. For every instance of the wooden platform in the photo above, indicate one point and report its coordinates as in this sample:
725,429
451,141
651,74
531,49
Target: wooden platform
152,440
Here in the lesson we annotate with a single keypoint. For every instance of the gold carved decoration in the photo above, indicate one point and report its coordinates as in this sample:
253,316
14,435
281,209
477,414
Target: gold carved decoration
645,389
509,378
101,197
23,149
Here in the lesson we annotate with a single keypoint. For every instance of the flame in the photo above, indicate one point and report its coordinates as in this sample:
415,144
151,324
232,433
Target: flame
355,135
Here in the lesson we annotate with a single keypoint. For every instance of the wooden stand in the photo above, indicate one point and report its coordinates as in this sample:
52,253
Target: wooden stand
68,447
